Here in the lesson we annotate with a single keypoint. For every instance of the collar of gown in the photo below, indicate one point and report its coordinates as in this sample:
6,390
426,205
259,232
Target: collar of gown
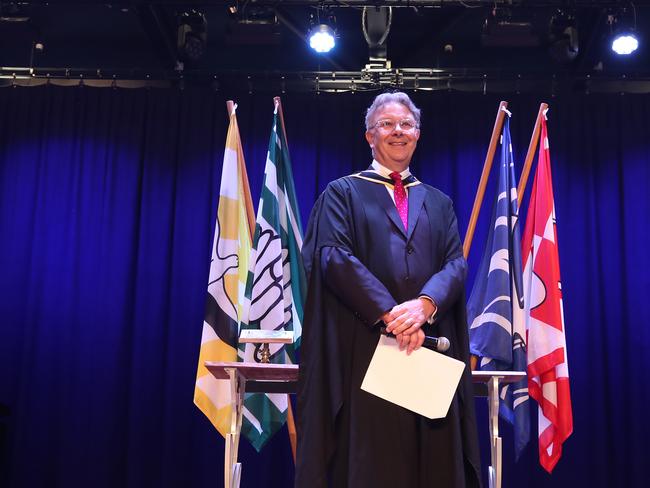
385,172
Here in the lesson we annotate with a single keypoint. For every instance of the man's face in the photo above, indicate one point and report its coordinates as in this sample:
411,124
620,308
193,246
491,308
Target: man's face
393,147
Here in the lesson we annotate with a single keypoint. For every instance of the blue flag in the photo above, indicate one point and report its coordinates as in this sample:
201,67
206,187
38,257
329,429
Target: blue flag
495,310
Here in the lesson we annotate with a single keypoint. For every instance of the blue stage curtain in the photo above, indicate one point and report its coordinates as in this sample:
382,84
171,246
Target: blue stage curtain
107,208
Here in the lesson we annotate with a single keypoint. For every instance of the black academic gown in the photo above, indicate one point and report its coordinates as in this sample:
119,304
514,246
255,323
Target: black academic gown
361,262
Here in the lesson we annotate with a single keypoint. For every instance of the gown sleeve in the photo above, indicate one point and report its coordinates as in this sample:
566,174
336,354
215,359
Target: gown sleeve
343,273
354,285
447,285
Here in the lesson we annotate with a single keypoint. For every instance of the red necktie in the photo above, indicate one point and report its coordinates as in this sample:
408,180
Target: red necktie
401,200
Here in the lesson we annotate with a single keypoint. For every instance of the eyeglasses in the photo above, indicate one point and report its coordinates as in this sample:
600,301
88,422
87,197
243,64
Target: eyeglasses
388,125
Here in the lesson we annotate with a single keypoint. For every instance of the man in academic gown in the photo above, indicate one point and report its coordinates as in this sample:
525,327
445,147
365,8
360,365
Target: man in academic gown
381,248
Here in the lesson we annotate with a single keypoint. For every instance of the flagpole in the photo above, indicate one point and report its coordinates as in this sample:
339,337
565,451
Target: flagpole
487,166
291,424
530,155
480,191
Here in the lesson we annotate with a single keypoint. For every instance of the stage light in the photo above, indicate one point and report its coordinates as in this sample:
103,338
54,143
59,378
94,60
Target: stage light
375,24
322,38
624,38
192,35
322,31
563,37
625,43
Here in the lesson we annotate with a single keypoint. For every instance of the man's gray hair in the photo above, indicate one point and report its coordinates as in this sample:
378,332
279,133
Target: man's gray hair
391,97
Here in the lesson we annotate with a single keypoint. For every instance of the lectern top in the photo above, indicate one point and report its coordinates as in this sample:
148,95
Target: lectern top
255,371
504,376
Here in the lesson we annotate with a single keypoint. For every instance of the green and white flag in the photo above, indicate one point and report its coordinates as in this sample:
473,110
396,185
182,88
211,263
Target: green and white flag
276,285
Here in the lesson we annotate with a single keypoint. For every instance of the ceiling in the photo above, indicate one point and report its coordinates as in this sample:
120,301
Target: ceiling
140,37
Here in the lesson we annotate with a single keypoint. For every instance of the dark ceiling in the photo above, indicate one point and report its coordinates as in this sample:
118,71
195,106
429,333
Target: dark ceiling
140,36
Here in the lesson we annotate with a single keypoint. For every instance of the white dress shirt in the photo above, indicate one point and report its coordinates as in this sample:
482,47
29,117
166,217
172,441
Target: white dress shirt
385,172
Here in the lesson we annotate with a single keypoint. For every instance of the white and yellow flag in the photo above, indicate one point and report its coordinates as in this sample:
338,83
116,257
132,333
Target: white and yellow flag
226,286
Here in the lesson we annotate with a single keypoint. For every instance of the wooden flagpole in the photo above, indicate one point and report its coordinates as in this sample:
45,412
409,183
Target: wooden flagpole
530,155
487,166
480,192
291,424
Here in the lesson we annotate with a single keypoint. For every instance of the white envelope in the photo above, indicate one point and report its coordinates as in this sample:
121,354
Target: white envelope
424,382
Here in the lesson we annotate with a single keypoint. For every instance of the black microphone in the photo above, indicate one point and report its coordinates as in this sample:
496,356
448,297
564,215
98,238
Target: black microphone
440,344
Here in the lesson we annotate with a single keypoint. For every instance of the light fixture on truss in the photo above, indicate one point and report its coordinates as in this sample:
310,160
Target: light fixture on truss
624,37
563,37
192,35
322,31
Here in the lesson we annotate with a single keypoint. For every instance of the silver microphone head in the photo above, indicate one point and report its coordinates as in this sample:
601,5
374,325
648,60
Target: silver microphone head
443,344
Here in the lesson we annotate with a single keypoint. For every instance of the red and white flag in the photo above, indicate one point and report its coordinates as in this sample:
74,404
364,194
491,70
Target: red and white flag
548,369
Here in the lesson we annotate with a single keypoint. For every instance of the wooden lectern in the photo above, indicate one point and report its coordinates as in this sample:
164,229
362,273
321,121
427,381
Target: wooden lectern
283,378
